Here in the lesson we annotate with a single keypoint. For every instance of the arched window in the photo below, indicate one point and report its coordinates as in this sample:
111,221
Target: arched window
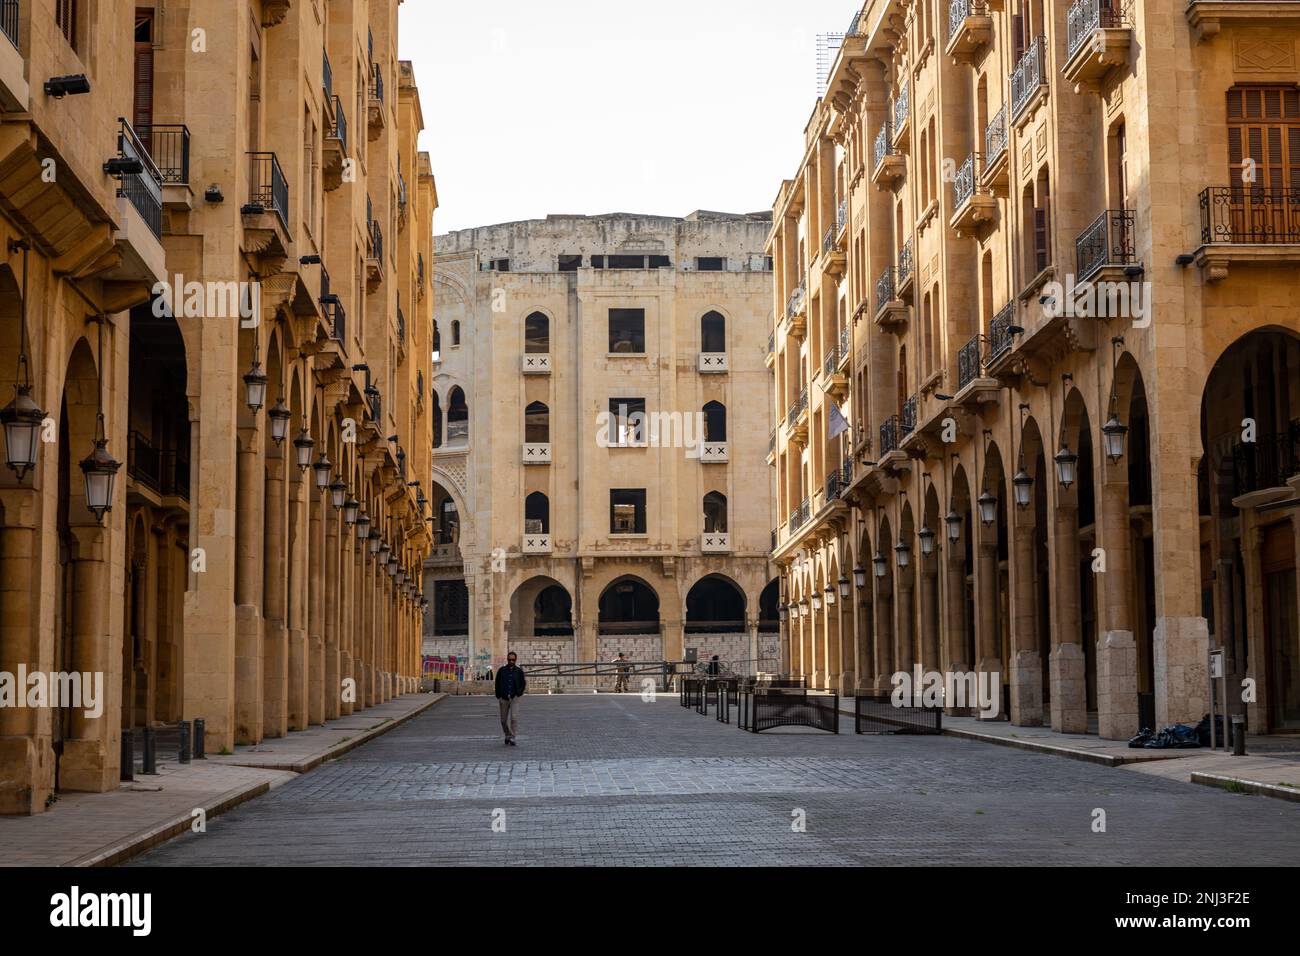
457,416
715,422
713,333
537,334
455,333
629,606
715,605
537,424
715,513
553,613
437,343
437,420
537,514
448,522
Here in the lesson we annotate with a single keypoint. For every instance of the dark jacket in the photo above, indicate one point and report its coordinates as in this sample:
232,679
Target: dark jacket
511,682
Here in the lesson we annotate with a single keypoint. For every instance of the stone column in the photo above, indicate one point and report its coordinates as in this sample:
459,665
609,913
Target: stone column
26,758
250,502
987,611
275,632
1026,661
905,630
929,607
884,649
1117,710
316,504
297,551
1067,668
334,611
833,642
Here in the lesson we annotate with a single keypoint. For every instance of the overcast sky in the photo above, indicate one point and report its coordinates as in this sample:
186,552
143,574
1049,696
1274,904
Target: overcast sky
593,106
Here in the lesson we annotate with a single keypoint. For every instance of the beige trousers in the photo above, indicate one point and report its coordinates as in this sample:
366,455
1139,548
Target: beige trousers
510,717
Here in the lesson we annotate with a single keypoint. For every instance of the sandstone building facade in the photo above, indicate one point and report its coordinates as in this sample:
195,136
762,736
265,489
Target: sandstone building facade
571,540
1082,493
216,229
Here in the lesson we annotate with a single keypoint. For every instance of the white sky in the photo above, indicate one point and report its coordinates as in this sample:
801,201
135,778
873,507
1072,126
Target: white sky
593,106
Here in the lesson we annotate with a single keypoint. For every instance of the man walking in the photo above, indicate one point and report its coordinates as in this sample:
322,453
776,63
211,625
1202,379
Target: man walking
620,681
511,686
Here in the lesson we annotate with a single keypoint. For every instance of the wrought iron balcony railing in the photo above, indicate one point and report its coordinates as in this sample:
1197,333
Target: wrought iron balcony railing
1248,213
1029,75
995,135
834,486
9,22
798,408
327,74
771,443
169,145
855,25
907,420
375,241
905,264
268,187
963,182
959,10
841,215
901,105
846,342
1000,337
143,190
885,289
1084,18
832,360
771,343
799,517
889,435
1268,462
166,471
1107,242
376,82
828,240
883,145
339,128
401,327
336,317
969,363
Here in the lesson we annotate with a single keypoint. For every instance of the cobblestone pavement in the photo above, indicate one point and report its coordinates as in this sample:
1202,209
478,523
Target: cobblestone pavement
615,780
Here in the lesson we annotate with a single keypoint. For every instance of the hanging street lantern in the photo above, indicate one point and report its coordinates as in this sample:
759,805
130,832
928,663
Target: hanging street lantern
100,471
279,415
988,507
322,468
783,613
303,445
816,601
1112,436
904,552
383,553
880,564
350,509
22,419
1067,466
393,565
953,523
829,600
844,587
926,536
860,577
338,493
376,540
255,387
362,526
1022,487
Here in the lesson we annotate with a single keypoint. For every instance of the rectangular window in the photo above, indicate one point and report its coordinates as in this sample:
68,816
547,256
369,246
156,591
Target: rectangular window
627,425
598,262
711,264
570,263
660,262
627,511
627,262
627,331
499,265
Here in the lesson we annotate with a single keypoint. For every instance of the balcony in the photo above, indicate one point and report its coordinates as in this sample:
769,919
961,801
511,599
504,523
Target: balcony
800,516
1207,16
143,189
1267,463
905,276
1029,81
889,166
714,453
846,346
796,312
889,436
891,311
535,363
267,210
1098,38
536,544
713,363
907,419
902,114
715,542
374,255
537,454
771,447
970,364
1105,249
332,307
996,171
15,95
769,357
796,418
169,147
336,145
972,205
1001,334
327,75
834,261
402,202
376,117
165,472
1247,224
970,30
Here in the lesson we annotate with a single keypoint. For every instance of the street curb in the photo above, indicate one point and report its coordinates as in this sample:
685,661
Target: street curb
1249,786
145,840
338,750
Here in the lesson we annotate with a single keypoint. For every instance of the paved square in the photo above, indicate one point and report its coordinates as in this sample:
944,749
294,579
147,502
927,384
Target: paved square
615,780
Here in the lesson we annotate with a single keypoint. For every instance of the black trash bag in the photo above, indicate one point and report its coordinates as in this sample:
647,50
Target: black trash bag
1143,735
1203,730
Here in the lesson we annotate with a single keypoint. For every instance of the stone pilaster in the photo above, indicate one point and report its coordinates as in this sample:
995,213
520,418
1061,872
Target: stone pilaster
1117,714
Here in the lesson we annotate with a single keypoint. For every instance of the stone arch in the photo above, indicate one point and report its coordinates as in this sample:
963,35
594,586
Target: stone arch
541,606
629,605
715,604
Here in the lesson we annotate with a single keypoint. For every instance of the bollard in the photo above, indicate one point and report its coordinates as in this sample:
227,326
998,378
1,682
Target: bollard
127,773
150,757
200,743
185,741
1238,735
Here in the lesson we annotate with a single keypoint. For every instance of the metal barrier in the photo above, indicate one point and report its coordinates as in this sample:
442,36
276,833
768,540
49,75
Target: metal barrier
725,696
764,707
692,689
877,714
